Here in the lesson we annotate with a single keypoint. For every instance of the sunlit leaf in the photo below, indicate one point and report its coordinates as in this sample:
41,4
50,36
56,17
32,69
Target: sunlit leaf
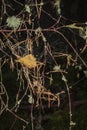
74,26
27,8
72,123
13,22
51,79
64,78
30,99
56,68
57,5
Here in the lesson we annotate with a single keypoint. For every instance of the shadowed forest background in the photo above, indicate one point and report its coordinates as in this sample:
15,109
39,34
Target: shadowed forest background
43,65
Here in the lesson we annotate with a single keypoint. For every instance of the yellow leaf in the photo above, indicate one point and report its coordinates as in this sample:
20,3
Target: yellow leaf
28,60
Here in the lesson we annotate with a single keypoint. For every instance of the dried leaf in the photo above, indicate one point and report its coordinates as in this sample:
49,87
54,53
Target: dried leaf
28,60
